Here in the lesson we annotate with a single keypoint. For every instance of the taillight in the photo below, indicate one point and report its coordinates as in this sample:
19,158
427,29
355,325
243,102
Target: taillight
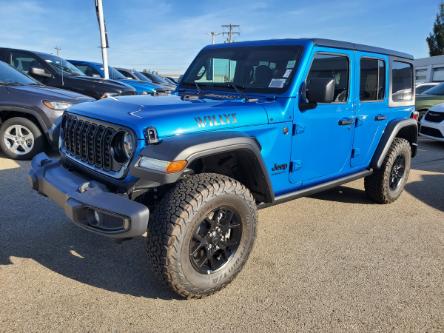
415,115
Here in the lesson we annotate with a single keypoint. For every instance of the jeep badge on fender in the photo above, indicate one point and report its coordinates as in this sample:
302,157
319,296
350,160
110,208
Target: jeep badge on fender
220,153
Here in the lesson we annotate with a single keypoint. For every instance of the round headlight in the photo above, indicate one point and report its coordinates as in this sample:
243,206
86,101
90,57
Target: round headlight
128,144
123,147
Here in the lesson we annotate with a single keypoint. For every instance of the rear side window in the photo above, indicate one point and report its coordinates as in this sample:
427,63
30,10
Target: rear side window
331,66
372,84
402,81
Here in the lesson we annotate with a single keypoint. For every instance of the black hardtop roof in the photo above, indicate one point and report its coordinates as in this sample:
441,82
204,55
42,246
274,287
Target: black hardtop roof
316,41
359,47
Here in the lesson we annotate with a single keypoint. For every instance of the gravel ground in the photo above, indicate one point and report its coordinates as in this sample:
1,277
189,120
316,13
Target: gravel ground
331,262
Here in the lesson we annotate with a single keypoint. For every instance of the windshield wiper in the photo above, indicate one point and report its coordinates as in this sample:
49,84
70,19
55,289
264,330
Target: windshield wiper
238,89
197,87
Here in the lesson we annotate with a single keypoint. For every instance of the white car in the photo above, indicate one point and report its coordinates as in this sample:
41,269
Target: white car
432,124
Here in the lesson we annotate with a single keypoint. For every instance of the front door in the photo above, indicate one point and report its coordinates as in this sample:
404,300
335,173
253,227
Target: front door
323,136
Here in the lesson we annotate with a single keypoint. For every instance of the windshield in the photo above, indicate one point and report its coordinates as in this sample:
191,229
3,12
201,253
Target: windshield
61,65
114,74
142,77
438,90
263,69
10,76
423,88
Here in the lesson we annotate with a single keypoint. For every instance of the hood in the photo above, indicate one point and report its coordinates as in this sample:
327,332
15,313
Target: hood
140,86
426,101
54,94
174,115
98,81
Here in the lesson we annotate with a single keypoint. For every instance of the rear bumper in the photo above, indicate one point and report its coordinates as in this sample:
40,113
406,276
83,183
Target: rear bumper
89,204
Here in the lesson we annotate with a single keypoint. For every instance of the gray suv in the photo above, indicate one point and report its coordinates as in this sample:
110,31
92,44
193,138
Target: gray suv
28,111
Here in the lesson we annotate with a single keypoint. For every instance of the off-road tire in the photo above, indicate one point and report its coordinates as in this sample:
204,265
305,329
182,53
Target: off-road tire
39,139
377,185
171,227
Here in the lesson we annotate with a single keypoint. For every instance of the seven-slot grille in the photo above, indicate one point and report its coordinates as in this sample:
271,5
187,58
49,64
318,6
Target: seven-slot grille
435,117
89,142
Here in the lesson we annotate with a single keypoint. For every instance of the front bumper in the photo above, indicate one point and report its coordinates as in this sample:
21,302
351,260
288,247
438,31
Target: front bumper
89,204
432,130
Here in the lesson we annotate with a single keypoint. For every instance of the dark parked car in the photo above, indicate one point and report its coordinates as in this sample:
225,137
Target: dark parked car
57,72
138,76
158,79
28,111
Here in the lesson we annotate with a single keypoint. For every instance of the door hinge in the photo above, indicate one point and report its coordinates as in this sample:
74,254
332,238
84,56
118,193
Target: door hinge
355,152
297,129
295,165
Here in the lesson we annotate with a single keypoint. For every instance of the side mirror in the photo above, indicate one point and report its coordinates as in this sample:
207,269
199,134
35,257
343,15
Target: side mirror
39,72
321,90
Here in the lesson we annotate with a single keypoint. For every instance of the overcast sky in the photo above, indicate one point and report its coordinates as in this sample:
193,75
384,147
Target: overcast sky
165,35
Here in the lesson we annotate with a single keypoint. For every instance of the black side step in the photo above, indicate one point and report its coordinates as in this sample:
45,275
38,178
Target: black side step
315,189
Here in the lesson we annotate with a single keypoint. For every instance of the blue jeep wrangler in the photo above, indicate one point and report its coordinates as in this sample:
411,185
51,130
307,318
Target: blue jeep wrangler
252,124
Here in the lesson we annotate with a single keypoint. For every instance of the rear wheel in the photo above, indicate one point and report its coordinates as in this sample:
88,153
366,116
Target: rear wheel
386,184
201,234
20,138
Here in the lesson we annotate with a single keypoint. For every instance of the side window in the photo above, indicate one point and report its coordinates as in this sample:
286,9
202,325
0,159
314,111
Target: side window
24,62
402,81
88,70
372,82
334,67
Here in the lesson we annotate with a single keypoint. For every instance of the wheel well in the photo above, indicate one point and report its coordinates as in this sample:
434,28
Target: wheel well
5,115
241,165
410,133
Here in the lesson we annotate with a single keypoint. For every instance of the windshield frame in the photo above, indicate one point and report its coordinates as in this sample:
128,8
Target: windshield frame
51,60
249,50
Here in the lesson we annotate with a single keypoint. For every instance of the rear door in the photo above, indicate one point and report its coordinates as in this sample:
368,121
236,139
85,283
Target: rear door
372,110
323,136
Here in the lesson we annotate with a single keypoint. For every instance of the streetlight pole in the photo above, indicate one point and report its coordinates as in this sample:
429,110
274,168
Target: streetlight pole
103,40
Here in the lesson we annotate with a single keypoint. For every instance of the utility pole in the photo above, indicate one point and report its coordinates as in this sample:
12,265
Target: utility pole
231,31
58,49
213,36
103,37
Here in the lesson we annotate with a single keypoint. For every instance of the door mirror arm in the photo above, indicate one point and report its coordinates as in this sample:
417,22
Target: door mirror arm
304,103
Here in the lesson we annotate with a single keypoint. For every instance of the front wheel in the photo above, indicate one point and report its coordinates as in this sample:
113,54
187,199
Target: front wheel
21,139
386,184
201,234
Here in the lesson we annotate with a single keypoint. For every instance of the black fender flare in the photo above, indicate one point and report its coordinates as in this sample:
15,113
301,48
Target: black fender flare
39,115
196,146
405,128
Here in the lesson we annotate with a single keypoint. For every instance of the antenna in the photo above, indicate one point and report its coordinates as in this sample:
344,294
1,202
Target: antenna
58,49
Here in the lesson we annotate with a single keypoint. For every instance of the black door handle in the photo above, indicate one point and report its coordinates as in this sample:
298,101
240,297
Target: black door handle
380,117
346,121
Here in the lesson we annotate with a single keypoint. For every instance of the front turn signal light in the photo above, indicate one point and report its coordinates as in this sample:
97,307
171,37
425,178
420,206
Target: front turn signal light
176,166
